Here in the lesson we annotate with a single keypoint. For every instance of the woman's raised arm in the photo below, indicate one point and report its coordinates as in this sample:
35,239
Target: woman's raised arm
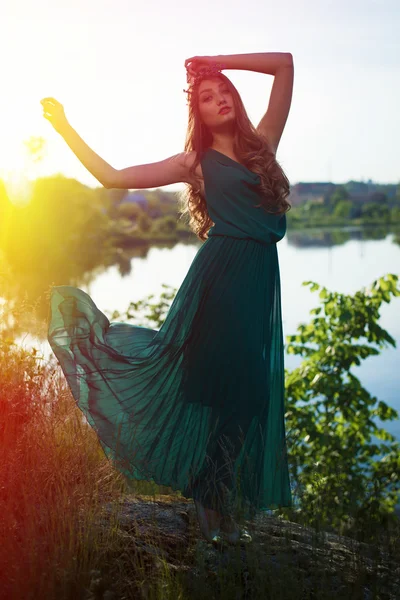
173,169
53,111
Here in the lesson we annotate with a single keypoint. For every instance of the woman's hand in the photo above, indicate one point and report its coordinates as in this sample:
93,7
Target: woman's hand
195,63
53,111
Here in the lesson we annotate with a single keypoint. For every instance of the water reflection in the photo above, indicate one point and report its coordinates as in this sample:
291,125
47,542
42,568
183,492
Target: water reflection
326,238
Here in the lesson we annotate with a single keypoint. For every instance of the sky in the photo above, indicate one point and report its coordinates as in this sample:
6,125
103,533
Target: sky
117,67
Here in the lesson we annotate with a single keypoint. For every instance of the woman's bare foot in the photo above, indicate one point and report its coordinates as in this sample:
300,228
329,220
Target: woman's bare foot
230,528
209,521
232,533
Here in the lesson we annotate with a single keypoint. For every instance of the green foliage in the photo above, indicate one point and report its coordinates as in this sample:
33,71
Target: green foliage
144,222
339,195
62,214
395,214
342,204
147,313
342,209
166,225
329,434
129,210
373,211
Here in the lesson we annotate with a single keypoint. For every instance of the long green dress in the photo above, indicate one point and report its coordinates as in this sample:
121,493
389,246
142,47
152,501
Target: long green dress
199,404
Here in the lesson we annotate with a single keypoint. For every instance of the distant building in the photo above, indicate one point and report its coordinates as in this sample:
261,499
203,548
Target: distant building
302,192
360,198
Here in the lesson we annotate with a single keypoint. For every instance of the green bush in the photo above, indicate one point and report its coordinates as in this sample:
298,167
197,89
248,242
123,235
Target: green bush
344,481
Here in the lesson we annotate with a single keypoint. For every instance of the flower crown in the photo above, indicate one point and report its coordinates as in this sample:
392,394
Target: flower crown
203,73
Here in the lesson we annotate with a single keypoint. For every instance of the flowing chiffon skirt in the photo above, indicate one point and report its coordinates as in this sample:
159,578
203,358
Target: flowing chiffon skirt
197,405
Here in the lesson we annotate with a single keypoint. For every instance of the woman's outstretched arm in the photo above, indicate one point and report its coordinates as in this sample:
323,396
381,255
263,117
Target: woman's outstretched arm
97,166
53,111
174,169
170,170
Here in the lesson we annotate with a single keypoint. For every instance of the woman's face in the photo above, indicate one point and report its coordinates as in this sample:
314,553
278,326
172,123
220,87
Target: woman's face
213,95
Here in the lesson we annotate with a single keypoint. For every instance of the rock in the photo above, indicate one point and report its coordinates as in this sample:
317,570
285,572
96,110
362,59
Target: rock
165,530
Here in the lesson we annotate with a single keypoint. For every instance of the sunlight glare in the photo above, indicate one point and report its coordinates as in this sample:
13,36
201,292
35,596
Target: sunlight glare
18,168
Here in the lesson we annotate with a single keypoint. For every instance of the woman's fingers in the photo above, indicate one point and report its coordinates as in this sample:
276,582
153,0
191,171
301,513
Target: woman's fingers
52,106
189,62
52,100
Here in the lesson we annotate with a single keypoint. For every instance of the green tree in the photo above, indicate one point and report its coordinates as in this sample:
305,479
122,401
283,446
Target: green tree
62,217
340,194
145,223
166,225
340,482
395,214
342,209
129,210
375,212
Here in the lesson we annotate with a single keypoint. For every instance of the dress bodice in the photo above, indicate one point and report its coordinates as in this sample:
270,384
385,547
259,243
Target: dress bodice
231,192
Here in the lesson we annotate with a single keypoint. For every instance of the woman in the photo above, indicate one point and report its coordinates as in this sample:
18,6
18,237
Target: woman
199,404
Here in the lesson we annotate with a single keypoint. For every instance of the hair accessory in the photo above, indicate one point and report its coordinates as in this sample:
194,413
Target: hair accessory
203,73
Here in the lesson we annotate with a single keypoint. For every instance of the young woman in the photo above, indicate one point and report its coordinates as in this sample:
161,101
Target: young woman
199,404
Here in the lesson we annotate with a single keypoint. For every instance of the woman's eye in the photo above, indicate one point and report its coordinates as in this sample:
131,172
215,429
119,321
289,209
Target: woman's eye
207,97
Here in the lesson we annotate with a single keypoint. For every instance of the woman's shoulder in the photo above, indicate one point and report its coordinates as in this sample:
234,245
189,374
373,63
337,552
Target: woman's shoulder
190,157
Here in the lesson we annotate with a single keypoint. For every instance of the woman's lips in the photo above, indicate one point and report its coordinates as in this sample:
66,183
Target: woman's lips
224,110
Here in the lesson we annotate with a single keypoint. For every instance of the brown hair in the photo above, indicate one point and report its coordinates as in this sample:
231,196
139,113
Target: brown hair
252,149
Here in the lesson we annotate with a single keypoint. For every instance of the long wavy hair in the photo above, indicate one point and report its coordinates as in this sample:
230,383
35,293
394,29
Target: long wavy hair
252,149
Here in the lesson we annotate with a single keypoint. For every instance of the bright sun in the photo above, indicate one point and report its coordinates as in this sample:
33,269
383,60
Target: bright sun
18,167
